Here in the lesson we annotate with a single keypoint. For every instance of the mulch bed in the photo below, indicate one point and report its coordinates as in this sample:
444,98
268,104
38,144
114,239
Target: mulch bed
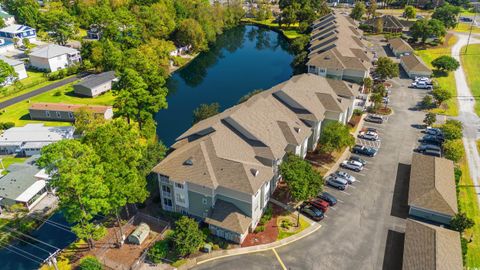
269,235
354,121
383,111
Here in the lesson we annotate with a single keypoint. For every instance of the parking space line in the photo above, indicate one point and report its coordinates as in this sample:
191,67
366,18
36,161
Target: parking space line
361,174
333,208
340,200
345,192
279,260
352,186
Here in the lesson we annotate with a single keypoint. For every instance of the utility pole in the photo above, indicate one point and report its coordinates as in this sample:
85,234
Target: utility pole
52,260
471,28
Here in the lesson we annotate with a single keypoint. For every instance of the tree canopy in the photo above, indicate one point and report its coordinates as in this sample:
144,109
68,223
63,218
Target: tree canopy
424,29
6,71
447,14
302,179
205,111
187,237
441,95
386,68
446,63
460,222
453,150
410,12
358,11
430,118
452,129
335,136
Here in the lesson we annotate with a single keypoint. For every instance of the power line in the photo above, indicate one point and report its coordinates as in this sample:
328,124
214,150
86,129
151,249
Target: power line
24,256
56,225
47,251
28,236
24,252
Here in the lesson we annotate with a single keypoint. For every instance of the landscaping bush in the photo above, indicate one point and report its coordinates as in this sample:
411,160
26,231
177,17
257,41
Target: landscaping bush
452,129
158,251
259,228
215,247
267,215
458,174
90,263
57,93
286,224
357,112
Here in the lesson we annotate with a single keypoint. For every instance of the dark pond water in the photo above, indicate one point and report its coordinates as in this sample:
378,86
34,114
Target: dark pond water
27,255
242,59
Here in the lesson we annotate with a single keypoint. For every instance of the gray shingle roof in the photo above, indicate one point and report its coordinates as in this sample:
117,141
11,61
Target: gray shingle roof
95,80
52,50
414,63
20,177
228,216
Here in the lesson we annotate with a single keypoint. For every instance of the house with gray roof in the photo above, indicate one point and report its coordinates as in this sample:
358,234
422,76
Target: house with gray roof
337,50
400,47
431,247
53,57
432,195
95,84
19,68
414,66
224,169
23,184
29,139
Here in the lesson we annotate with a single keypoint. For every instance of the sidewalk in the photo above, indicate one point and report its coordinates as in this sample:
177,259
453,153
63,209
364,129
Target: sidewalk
253,249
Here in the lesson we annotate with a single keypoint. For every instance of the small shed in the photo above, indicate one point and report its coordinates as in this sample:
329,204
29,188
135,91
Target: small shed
140,234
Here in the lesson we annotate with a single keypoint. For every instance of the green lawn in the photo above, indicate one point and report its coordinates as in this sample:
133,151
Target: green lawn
469,204
446,82
282,234
465,28
471,67
289,32
18,113
9,160
34,81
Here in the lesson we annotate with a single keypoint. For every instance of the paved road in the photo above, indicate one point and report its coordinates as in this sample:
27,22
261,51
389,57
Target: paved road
365,230
40,91
467,115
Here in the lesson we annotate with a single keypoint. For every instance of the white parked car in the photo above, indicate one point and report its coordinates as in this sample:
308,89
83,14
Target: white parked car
423,79
369,135
350,179
352,165
421,85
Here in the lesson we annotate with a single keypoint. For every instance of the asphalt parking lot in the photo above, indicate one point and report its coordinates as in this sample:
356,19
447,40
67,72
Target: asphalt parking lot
365,230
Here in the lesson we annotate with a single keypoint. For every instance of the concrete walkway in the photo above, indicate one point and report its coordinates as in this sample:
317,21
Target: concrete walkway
41,90
467,115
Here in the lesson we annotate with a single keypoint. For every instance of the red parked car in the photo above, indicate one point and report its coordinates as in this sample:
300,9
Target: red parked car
320,204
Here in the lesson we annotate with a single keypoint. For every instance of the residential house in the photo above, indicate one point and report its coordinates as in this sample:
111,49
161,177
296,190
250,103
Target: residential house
94,32
390,24
95,84
19,68
17,33
54,57
224,169
65,112
6,45
414,66
337,50
431,247
29,140
7,18
23,184
432,194
400,47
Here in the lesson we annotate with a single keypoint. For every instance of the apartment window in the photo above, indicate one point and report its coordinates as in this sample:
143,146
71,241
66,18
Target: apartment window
166,189
204,201
70,114
180,186
47,113
180,198
167,202
322,70
58,114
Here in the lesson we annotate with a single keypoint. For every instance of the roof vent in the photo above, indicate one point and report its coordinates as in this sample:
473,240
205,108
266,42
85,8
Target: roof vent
297,129
188,162
327,57
339,100
254,172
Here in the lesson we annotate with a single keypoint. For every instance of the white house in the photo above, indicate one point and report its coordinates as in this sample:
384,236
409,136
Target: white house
30,139
19,68
7,18
54,57
20,32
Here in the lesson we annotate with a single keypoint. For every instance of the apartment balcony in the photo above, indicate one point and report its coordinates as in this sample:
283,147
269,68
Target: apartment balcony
166,194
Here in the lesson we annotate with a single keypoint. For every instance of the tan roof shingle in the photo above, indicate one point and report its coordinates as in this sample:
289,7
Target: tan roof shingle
414,63
228,216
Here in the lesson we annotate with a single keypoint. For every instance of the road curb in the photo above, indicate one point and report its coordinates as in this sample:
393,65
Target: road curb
248,250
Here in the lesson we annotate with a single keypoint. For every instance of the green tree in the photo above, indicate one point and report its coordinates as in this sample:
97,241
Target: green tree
157,20
430,118
77,175
377,99
6,71
289,16
446,63
460,222
120,151
205,111
410,12
25,11
452,129
90,263
358,11
134,101
249,95
372,9
378,25
386,68
59,24
187,237
453,150
447,14
368,84
86,120
427,102
335,136
441,95
424,29
104,55
302,179
190,32
159,251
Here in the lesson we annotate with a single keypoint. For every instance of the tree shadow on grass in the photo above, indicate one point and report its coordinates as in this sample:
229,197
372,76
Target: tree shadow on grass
439,73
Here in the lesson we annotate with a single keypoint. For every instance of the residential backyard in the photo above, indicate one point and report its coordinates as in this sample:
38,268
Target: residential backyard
450,107
18,113
468,203
471,66
465,28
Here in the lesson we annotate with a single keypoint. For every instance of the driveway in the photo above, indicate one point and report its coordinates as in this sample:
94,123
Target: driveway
470,120
365,230
40,91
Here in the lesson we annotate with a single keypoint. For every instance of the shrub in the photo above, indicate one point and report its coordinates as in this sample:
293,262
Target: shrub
90,263
267,215
215,247
458,175
286,224
454,150
158,251
452,129
427,102
57,93
6,125
259,228
357,112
